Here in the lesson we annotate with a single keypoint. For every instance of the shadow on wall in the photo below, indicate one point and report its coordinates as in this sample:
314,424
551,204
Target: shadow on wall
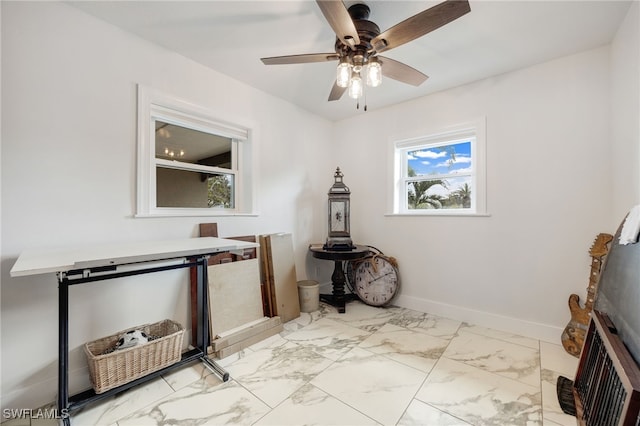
310,217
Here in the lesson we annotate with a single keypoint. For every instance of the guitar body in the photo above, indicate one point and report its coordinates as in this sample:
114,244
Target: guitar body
575,331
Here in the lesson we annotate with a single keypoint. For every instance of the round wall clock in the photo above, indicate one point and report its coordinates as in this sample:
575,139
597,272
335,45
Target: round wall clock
375,279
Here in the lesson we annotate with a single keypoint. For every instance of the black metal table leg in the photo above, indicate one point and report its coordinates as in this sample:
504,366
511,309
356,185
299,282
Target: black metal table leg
63,350
201,290
203,339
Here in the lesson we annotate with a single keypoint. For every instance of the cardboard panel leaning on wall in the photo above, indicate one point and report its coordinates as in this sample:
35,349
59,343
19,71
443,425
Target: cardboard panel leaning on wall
234,295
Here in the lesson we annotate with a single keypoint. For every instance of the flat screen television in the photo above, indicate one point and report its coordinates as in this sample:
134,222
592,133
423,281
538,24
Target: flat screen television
619,292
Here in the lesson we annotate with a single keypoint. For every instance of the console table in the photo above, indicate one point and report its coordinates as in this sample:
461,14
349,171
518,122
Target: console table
99,263
338,298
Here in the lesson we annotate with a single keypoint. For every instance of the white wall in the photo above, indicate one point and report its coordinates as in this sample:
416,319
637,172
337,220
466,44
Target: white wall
68,177
625,117
548,195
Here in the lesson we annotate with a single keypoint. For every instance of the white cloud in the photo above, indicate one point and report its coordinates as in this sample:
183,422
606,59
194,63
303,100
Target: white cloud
459,160
456,183
453,183
430,154
438,190
465,170
462,159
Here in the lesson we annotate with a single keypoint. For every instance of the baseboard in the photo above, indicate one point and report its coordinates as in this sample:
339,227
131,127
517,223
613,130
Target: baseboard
544,332
40,394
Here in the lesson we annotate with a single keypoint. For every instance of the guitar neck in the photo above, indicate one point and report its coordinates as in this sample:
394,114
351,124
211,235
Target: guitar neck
594,279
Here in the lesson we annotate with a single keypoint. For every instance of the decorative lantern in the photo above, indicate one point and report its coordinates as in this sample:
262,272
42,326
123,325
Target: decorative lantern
339,238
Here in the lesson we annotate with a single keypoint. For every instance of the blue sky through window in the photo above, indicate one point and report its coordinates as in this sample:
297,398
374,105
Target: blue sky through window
440,160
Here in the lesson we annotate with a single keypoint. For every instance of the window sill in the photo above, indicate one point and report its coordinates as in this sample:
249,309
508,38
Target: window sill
194,214
438,214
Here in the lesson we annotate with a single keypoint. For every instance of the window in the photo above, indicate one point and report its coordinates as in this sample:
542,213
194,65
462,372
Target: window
190,163
441,173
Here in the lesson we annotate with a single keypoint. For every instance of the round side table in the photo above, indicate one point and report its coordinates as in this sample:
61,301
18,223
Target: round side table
338,298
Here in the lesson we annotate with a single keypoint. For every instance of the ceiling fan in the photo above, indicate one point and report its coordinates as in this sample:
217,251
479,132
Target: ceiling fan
359,41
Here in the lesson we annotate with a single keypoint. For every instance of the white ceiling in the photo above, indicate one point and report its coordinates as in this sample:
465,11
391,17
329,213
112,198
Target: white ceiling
232,36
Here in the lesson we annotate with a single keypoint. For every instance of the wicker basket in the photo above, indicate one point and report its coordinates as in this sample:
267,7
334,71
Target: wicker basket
113,369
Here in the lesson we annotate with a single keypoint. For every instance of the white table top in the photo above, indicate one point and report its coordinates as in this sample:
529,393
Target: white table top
33,262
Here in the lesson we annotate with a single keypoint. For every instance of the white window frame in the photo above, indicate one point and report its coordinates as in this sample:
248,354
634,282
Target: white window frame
154,105
475,132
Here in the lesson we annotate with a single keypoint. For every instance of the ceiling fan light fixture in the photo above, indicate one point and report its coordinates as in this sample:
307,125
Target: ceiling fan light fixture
374,73
343,73
358,62
355,87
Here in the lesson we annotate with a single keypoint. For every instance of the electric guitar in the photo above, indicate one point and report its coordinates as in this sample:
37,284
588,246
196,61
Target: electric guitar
574,333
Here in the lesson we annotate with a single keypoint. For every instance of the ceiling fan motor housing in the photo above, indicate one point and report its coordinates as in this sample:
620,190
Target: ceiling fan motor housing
367,30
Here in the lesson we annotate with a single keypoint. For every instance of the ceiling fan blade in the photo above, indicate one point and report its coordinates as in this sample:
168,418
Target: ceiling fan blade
336,92
401,72
300,59
338,17
420,24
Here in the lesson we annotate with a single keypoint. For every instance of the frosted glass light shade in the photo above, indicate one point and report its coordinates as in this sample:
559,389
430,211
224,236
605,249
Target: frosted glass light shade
355,88
374,74
343,74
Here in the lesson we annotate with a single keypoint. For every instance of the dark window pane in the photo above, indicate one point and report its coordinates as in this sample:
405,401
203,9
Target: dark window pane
192,146
187,189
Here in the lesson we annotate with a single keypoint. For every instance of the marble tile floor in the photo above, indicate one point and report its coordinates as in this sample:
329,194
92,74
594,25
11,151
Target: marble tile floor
368,366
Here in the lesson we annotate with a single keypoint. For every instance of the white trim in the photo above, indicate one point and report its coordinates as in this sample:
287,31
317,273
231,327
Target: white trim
535,330
155,105
475,131
458,134
191,213
183,112
192,167
443,213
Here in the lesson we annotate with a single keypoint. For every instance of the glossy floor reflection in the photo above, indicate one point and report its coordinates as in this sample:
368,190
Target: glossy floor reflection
369,366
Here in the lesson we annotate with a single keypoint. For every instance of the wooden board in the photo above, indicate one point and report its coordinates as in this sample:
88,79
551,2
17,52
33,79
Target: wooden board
285,285
208,229
266,276
234,295
211,230
245,333
243,344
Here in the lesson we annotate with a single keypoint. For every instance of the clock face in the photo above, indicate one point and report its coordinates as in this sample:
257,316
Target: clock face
376,281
